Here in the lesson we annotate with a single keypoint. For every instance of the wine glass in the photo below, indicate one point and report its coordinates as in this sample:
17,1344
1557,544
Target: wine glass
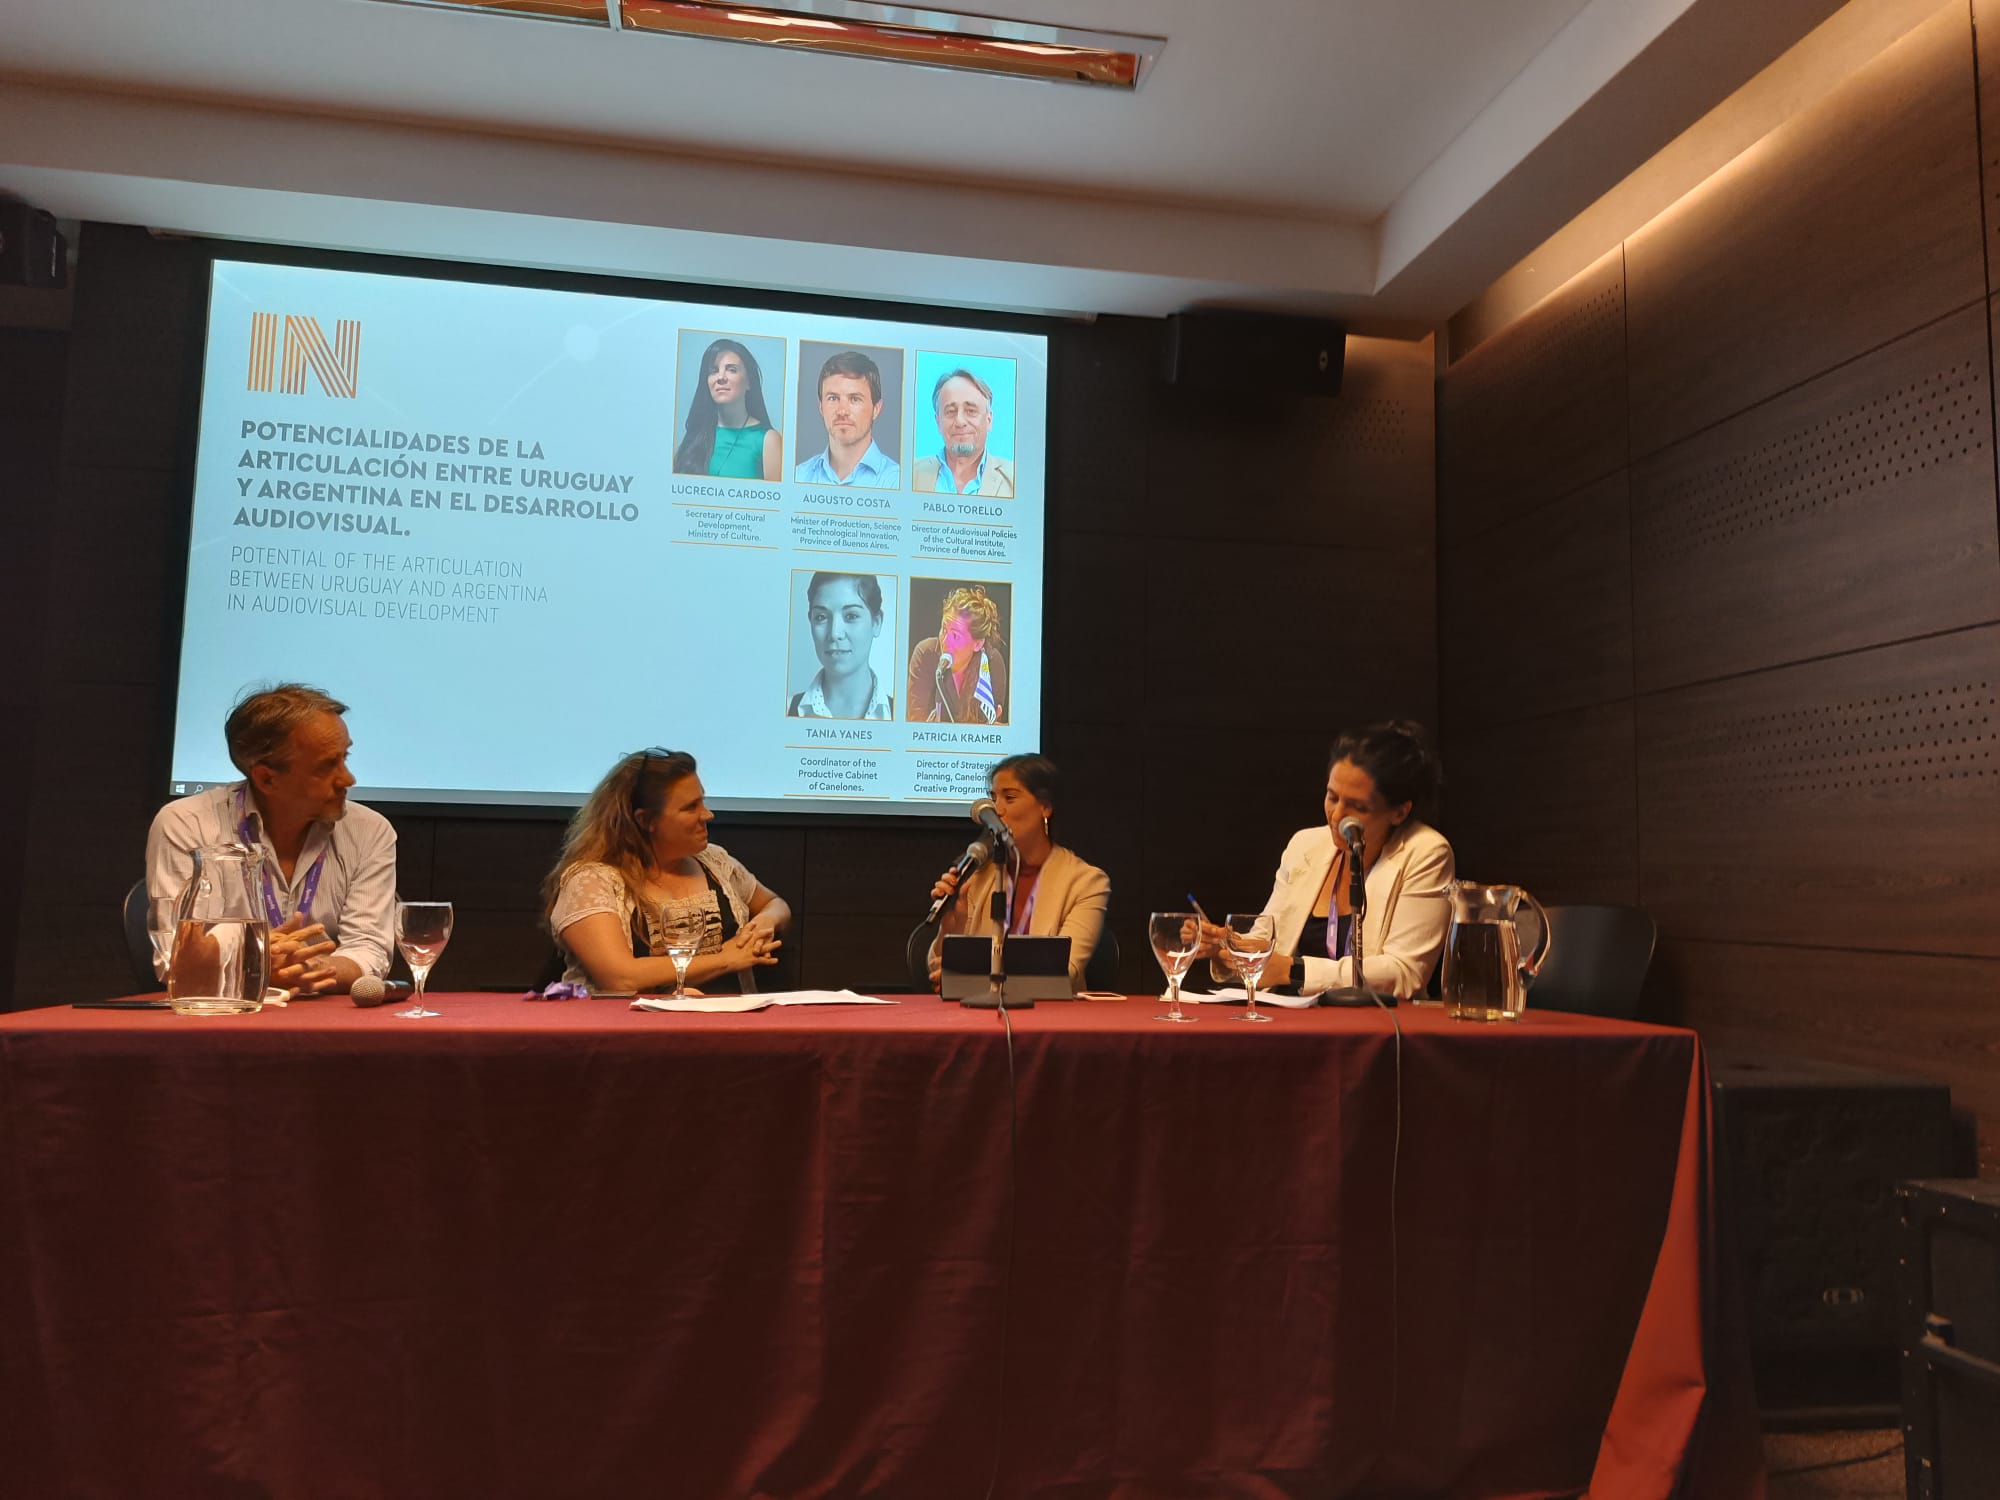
422,930
1249,948
1175,936
163,922
681,933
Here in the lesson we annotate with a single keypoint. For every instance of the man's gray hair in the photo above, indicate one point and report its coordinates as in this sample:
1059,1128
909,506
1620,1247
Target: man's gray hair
938,389
259,728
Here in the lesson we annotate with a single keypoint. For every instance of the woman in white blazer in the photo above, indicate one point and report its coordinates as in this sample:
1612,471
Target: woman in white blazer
1383,776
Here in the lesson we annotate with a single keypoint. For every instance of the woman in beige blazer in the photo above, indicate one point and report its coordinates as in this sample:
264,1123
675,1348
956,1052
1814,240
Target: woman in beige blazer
1383,777
1056,894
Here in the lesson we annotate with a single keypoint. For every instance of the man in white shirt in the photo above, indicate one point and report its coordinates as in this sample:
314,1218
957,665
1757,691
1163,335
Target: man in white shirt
328,886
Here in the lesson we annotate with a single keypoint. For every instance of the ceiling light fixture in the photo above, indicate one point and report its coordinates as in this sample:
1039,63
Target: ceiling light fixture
907,34
584,12
860,28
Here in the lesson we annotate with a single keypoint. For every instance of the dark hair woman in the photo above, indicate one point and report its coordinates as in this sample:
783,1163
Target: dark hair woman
1387,778
844,611
729,433
637,853
1056,893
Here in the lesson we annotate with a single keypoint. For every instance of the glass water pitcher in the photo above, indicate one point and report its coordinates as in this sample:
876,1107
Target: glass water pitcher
221,955
1485,976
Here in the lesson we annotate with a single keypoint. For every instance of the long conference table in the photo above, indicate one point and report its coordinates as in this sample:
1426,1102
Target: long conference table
560,1250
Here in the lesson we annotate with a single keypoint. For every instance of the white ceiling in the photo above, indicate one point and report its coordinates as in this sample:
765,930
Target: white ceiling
1379,159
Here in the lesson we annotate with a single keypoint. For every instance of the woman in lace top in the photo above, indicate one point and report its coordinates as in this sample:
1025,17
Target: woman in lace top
639,849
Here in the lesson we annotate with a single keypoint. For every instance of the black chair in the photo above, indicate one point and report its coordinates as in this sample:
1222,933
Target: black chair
1598,957
138,943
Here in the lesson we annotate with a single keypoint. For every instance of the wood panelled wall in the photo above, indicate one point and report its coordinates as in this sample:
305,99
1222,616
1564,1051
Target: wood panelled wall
1720,618
1196,675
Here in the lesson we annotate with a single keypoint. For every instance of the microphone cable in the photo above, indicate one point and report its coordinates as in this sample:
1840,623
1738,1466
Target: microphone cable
1010,872
1395,1257
1007,1270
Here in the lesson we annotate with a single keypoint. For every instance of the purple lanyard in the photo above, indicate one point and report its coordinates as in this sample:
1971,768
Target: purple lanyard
1339,930
248,835
1026,914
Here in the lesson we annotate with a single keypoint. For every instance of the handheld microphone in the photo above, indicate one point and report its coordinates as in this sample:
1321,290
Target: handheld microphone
368,990
977,854
1352,833
987,816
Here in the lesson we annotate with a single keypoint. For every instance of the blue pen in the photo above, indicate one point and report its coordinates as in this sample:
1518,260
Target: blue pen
1197,909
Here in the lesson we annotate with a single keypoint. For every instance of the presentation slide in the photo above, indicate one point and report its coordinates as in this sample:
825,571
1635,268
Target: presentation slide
521,532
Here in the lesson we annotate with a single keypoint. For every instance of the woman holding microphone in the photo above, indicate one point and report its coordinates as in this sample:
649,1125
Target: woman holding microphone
1056,893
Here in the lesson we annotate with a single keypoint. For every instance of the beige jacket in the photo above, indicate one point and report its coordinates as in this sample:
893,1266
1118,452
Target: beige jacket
1072,900
998,483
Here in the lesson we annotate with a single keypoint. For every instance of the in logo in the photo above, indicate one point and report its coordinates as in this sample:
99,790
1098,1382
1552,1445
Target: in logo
303,341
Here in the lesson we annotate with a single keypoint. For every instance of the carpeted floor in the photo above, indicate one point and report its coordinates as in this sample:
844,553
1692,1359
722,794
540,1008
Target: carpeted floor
1795,1460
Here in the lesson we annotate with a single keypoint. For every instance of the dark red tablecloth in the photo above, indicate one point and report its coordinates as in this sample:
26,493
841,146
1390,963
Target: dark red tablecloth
571,1250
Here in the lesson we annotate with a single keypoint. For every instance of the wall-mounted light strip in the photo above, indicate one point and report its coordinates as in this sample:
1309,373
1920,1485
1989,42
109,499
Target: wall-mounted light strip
859,28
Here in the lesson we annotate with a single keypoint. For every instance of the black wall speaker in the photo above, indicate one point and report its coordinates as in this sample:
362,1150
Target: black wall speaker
1808,1158
32,252
1950,1264
1211,349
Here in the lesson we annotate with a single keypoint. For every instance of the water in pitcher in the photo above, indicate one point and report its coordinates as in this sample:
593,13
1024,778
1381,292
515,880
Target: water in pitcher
219,968
1482,972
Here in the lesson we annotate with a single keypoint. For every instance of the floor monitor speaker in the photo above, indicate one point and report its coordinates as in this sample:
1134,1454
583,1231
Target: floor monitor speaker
1950,1265
1809,1155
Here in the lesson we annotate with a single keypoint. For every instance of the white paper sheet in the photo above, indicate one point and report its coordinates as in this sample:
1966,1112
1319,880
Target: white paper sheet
737,1005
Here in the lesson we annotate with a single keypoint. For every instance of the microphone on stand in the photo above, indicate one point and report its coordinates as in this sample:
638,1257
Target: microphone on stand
977,855
1351,833
987,816
941,690
1354,836
368,990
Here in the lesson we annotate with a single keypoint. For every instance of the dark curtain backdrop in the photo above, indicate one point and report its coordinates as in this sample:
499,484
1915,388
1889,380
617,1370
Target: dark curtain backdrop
1205,562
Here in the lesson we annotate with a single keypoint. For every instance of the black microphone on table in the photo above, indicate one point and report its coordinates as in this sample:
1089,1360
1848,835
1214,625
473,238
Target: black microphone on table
368,990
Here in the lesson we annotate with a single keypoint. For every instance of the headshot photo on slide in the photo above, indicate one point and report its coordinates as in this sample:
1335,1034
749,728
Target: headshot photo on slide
724,385
850,416
841,660
958,670
963,425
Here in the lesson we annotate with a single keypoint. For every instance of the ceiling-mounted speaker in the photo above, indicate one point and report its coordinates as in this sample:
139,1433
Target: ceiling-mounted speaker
32,251
1213,349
